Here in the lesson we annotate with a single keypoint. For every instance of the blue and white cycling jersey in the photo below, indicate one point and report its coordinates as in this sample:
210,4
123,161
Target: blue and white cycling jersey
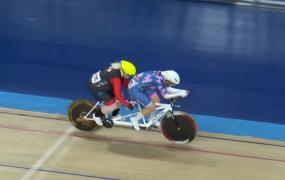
146,84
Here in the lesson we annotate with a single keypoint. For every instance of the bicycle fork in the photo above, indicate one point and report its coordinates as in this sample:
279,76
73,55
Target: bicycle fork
175,120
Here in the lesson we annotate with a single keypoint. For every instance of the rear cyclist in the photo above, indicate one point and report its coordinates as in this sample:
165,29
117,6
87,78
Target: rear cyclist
106,87
144,88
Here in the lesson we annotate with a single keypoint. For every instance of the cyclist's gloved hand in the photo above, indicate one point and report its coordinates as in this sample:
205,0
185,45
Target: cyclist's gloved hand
184,93
131,106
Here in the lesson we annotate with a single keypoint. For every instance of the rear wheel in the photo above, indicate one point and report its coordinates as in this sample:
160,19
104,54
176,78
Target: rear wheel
179,127
76,112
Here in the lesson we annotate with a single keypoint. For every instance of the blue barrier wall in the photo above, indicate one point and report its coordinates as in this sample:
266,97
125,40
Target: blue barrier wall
230,57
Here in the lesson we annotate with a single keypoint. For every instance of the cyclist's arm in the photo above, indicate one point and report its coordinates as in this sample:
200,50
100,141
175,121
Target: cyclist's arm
168,92
117,85
174,90
168,96
125,82
172,93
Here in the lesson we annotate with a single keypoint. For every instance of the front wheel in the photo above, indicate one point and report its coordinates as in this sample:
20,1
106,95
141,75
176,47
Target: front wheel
179,127
76,112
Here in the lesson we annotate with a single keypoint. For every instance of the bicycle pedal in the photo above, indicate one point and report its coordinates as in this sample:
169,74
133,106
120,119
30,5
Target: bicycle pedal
107,123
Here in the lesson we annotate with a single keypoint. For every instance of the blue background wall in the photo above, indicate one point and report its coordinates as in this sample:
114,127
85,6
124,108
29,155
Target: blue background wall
230,57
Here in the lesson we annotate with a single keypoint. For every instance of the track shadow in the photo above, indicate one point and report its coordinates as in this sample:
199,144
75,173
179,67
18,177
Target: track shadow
138,151
174,153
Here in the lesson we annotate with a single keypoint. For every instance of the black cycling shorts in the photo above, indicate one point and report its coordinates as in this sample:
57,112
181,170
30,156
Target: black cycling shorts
103,94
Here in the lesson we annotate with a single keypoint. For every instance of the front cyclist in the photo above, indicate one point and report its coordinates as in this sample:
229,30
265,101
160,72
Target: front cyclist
144,89
106,87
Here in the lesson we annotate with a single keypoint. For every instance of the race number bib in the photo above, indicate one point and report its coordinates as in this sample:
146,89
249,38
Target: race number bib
96,77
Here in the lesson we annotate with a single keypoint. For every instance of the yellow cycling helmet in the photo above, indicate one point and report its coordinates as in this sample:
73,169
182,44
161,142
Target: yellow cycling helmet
128,68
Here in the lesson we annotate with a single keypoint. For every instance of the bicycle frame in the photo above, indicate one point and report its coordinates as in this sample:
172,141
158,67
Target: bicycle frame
121,120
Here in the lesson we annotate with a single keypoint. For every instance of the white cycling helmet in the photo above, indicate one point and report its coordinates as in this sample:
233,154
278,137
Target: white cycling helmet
171,76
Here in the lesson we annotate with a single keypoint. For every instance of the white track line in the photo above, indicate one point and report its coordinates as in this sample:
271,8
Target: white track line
53,163
48,153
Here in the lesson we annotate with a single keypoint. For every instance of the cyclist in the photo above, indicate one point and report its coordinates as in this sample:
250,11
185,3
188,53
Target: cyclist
144,89
106,87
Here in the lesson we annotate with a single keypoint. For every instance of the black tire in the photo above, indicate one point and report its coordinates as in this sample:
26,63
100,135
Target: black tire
77,110
182,130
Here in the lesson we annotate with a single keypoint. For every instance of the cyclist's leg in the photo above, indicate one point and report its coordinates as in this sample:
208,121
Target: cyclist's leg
104,94
117,110
109,104
154,98
151,110
145,99
107,108
142,98
139,96
95,92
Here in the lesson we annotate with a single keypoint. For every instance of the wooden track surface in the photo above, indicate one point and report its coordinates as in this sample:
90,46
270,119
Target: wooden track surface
42,146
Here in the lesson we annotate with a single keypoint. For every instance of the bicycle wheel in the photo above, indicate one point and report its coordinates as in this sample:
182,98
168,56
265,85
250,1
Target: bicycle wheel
76,112
179,127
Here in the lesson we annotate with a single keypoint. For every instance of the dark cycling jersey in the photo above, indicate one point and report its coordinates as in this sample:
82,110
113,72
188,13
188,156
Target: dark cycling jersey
107,84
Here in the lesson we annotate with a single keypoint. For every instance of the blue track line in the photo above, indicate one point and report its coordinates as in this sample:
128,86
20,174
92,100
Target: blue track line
241,127
213,124
34,103
58,172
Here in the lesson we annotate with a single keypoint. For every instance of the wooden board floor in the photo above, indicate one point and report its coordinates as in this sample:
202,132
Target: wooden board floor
40,146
